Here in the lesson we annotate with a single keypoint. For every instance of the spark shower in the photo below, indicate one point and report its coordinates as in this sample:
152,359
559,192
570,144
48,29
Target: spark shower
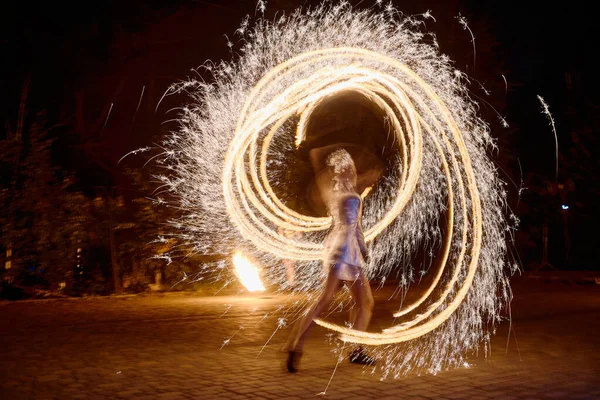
441,195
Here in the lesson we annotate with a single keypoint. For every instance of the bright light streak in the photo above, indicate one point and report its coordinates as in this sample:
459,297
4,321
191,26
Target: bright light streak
441,195
247,273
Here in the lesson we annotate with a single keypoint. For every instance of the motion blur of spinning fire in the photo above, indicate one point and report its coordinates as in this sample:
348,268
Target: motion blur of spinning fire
441,196
247,273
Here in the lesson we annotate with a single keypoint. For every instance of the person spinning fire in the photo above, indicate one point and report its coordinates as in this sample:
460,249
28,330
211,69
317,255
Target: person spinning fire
345,252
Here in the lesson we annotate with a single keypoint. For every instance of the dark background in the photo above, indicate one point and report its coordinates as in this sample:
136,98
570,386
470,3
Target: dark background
84,65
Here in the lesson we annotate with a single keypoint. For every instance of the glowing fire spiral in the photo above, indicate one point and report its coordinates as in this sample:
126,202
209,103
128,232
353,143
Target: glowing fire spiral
442,193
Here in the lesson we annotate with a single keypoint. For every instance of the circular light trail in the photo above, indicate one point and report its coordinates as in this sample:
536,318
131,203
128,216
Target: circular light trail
441,196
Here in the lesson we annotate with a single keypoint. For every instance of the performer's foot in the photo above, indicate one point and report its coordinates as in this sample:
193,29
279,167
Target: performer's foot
359,356
293,360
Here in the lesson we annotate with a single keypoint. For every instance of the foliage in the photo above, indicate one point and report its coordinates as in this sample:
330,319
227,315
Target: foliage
44,219
147,243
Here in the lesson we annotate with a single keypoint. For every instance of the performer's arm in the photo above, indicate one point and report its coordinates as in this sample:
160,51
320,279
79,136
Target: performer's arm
369,177
352,207
361,243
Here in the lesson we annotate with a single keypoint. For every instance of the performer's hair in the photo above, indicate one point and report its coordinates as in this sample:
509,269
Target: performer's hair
342,166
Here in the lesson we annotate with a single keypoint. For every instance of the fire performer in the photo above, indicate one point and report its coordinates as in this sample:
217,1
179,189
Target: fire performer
345,251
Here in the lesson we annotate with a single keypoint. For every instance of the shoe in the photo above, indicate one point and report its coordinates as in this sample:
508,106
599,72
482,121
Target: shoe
359,356
293,361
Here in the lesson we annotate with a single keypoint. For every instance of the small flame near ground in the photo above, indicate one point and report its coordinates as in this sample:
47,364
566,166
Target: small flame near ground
247,273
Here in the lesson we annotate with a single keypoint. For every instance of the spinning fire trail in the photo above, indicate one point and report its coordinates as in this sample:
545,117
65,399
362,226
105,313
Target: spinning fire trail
440,196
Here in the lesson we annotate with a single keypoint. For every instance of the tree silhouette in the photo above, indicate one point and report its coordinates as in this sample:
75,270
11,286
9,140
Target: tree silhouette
45,219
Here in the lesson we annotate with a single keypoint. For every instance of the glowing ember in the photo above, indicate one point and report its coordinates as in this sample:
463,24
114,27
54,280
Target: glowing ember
247,273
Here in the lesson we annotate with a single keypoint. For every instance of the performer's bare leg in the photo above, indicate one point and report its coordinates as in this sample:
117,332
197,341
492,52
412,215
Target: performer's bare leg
296,341
360,318
352,314
361,292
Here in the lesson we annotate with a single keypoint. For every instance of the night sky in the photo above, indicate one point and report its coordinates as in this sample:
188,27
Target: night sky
94,54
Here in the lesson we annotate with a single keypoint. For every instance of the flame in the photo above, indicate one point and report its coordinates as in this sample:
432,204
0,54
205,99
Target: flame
366,191
247,273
